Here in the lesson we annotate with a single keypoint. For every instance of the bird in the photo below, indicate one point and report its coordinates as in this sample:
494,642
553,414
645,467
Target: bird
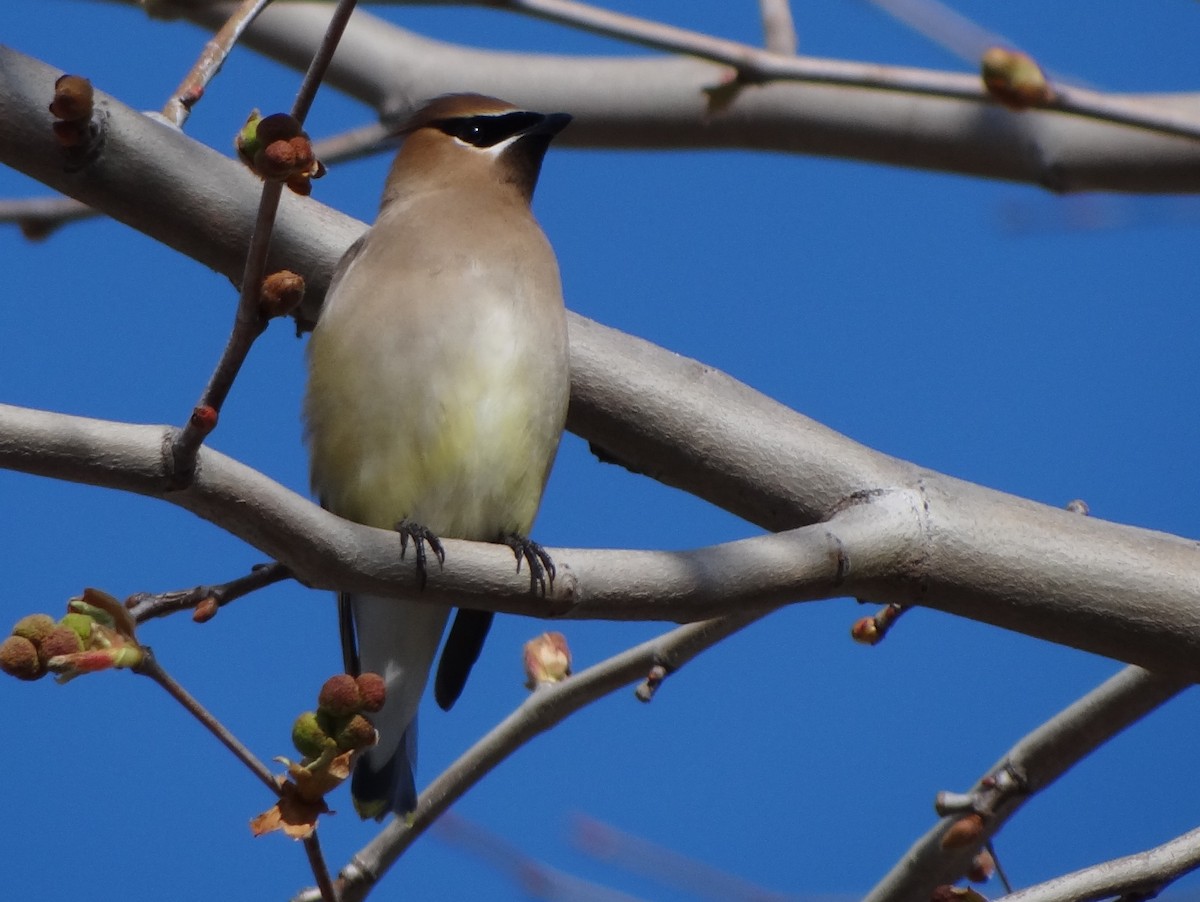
438,382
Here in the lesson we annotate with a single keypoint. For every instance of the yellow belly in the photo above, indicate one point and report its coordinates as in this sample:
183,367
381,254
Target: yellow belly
454,427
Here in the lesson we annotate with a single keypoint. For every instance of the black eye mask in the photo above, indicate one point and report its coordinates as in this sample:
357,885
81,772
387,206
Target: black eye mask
486,131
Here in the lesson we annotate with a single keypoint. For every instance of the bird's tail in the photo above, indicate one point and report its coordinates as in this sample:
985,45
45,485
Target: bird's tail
398,640
378,787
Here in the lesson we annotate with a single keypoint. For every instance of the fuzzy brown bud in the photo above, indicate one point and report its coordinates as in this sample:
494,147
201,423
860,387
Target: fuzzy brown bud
339,696
206,610
372,690
281,293
34,627
263,144
277,127
19,658
302,151
358,733
62,641
276,161
964,832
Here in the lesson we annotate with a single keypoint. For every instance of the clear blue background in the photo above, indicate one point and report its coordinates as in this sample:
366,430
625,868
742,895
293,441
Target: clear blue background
896,306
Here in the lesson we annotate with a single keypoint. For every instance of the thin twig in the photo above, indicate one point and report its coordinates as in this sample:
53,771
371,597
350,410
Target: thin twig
756,66
149,607
779,30
38,217
1030,766
946,27
316,861
249,322
553,885
1000,874
753,64
211,59
540,712
666,866
950,30
355,143
1141,875
307,92
150,667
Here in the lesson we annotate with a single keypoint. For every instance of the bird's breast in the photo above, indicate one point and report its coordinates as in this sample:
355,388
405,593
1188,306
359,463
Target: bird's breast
438,394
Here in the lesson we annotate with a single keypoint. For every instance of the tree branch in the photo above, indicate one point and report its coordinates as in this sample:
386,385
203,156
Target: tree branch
150,667
145,170
755,66
907,117
1126,593
212,58
1030,766
779,30
1139,876
326,552
249,320
545,708
145,606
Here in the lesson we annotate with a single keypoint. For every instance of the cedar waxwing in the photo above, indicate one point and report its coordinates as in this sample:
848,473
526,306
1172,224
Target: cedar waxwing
437,393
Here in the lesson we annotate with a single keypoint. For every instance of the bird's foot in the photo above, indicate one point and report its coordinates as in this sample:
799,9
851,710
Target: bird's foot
541,566
421,536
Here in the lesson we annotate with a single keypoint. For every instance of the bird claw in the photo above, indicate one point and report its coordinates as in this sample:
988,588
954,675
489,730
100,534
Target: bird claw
540,564
421,536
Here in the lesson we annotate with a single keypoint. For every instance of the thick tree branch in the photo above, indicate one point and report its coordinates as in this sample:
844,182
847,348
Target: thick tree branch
1127,593
1124,592
668,103
754,66
326,552
890,530
150,176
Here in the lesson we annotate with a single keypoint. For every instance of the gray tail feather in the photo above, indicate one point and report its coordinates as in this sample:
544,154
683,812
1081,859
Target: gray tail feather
379,787
376,786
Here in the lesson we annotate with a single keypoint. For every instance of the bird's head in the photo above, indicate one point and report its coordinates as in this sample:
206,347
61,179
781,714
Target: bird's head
472,141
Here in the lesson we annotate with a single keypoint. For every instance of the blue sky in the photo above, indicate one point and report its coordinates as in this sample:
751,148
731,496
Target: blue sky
894,306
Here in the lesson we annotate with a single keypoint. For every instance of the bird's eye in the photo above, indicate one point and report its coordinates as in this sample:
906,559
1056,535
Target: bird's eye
468,130
490,129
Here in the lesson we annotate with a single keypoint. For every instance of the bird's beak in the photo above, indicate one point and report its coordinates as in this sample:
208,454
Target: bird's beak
550,125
